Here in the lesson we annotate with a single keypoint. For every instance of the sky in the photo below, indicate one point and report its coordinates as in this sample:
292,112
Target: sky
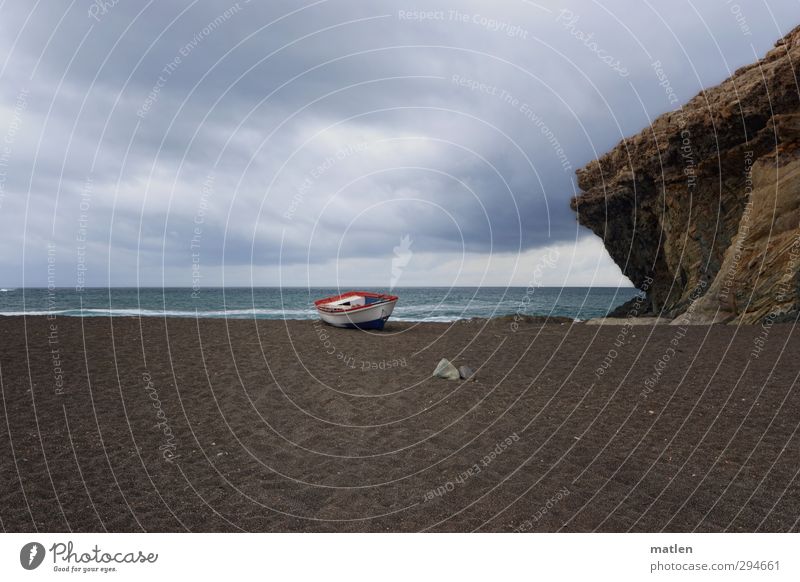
333,142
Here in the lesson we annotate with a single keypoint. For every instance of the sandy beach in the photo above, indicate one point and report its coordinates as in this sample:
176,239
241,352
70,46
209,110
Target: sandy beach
131,424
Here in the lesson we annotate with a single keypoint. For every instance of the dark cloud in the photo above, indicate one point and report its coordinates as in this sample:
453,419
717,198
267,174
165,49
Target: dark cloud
263,133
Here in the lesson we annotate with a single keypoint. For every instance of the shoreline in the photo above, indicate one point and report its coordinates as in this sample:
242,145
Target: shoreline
511,319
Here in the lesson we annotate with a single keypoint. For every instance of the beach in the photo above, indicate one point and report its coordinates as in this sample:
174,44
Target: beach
131,424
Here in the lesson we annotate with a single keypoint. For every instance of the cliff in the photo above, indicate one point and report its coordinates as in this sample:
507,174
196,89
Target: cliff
701,210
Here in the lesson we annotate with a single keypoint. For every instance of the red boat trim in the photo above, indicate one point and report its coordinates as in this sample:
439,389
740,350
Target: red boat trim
336,309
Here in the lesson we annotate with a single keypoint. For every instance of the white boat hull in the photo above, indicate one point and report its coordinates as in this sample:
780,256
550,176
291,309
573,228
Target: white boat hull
355,310
372,317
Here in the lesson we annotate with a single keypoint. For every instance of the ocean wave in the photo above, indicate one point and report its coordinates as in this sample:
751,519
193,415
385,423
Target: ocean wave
429,318
30,313
273,314
303,314
133,312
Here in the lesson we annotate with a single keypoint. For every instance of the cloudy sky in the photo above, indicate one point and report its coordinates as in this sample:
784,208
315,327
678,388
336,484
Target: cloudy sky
295,143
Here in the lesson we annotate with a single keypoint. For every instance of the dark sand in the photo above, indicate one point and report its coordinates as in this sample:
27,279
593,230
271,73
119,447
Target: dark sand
274,433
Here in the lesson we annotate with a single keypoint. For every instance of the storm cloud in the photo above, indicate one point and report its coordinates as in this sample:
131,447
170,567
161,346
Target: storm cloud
299,143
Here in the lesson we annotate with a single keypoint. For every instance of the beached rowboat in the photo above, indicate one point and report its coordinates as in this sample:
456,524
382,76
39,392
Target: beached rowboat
360,309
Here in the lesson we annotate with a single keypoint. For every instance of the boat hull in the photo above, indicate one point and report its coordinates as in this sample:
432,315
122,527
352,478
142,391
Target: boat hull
368,316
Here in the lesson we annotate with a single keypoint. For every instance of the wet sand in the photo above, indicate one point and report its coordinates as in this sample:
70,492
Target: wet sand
214,425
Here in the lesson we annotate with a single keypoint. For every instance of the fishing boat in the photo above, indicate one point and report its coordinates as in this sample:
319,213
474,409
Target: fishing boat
359,309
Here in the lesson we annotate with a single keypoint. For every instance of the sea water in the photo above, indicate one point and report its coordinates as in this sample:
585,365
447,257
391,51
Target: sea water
415,304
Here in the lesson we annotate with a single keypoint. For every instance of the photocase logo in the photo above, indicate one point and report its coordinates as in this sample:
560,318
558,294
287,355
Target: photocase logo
31,555
402,256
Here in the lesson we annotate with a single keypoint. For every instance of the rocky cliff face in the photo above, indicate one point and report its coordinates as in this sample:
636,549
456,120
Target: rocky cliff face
702,209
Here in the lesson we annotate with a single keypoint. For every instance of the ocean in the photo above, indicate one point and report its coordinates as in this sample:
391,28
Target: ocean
415,304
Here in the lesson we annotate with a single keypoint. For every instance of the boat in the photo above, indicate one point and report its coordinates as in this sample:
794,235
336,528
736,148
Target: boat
356,309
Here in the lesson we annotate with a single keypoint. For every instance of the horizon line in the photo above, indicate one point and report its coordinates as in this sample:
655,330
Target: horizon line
189,287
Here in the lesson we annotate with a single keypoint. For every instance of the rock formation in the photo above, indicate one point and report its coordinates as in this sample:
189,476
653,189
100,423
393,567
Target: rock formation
701,210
